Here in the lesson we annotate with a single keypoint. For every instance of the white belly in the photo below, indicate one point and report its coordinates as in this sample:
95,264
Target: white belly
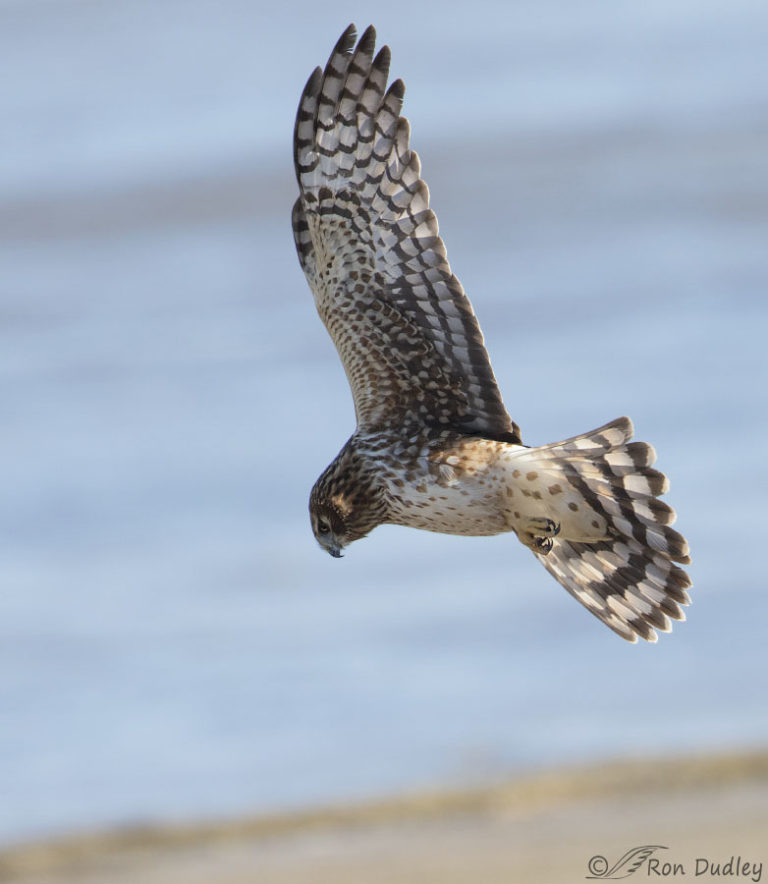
452,499
495,488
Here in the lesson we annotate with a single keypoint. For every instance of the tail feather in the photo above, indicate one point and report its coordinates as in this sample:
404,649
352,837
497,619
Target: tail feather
628,579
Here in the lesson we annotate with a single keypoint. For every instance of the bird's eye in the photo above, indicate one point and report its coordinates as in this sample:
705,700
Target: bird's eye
323,527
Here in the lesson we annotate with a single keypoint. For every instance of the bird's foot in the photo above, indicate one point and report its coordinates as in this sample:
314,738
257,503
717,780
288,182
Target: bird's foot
538,534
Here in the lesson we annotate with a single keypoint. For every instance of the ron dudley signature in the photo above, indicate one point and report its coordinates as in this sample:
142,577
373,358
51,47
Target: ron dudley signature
733,867
642,860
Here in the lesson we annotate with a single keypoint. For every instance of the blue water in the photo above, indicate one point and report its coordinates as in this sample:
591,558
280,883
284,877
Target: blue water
172,642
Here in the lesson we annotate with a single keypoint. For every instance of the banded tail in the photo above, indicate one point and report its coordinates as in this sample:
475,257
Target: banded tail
627,577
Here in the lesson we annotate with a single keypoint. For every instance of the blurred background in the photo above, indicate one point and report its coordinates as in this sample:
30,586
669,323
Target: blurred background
173,644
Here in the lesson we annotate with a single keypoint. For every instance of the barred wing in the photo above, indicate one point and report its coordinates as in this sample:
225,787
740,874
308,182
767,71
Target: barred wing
369,245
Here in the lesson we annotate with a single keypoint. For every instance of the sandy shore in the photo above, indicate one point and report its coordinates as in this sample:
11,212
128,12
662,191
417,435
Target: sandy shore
698,814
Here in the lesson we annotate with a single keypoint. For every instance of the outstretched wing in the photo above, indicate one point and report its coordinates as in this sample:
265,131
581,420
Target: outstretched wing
369,246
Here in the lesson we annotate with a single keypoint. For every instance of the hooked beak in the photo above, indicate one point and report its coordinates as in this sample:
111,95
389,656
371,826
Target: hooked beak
335,550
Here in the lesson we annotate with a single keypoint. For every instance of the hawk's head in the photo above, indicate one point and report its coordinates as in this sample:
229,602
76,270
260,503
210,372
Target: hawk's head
345,504
338,518
328,526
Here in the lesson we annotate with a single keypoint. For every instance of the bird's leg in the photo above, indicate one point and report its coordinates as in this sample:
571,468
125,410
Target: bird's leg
537,533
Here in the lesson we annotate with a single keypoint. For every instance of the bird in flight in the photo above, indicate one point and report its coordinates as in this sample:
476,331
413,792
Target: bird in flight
434,447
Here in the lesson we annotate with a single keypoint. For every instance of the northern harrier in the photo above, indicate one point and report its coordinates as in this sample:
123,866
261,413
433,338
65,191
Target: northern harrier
434,446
